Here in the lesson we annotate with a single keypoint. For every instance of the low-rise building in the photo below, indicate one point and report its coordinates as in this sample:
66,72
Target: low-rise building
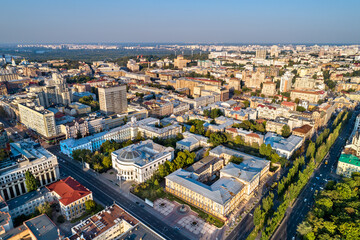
71,196
236,182
37,228
146,127
26,204
76,128
80,108
285,147
192,141
347,165
311,96
112,223
306,131
248,137
138,162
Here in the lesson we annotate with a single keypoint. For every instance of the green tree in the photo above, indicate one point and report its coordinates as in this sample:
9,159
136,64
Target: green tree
304,228
156,182
208,133
258,216
192,129
285,131
90,205
236,160
30,181
310,150
106,162
97,167
45,209
217,138
300,109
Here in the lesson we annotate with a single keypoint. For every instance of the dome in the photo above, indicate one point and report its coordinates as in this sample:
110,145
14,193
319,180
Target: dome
129,155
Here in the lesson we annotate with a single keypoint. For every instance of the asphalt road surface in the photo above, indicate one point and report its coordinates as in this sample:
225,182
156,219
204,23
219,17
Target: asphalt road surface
306,199
108,196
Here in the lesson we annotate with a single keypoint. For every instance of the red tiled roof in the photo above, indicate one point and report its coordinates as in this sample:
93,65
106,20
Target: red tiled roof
69,190
237,108
59,115
303,129
232,130
309,92
290,104
263,106
253,135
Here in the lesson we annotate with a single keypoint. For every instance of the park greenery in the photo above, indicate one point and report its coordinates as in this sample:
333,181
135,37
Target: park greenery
45,208
197,126
100,160
266,219
79,79
336,212
251,125
152,189
88,100
213,113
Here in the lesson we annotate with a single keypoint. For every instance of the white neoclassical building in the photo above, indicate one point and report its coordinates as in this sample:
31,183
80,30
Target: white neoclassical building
138,162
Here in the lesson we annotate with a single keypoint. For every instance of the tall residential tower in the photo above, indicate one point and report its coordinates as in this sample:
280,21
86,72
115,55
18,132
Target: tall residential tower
113,99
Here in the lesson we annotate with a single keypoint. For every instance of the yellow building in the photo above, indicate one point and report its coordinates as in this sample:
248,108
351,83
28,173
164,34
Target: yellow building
71,196
236,182
180,62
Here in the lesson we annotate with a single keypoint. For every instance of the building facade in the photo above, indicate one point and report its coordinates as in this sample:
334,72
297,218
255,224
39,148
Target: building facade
113,99
138,162
38,119
27,156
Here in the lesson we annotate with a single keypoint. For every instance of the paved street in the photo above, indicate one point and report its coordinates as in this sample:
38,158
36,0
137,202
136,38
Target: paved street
306,199
108,196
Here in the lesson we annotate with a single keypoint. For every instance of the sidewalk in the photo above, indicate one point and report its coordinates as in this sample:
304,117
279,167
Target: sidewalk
125,190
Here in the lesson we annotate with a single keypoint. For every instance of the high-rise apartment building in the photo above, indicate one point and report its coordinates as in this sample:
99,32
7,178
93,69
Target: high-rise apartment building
286,80
38,119
260,53
113,99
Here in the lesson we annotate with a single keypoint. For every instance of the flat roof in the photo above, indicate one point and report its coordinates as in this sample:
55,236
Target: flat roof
26,198
42,227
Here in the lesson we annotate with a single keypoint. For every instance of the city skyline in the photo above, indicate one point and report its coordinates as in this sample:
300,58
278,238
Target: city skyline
174,22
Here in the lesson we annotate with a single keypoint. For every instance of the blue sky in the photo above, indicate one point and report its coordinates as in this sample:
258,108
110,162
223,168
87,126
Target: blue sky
210,21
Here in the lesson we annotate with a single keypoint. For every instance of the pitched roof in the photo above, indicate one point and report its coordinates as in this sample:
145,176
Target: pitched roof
349,159
69,190
303,129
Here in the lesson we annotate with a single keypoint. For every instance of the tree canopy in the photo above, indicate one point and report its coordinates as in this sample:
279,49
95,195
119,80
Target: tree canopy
31,182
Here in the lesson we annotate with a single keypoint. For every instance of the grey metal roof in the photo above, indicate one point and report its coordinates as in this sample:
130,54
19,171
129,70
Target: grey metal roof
42,228
281,143
220,192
